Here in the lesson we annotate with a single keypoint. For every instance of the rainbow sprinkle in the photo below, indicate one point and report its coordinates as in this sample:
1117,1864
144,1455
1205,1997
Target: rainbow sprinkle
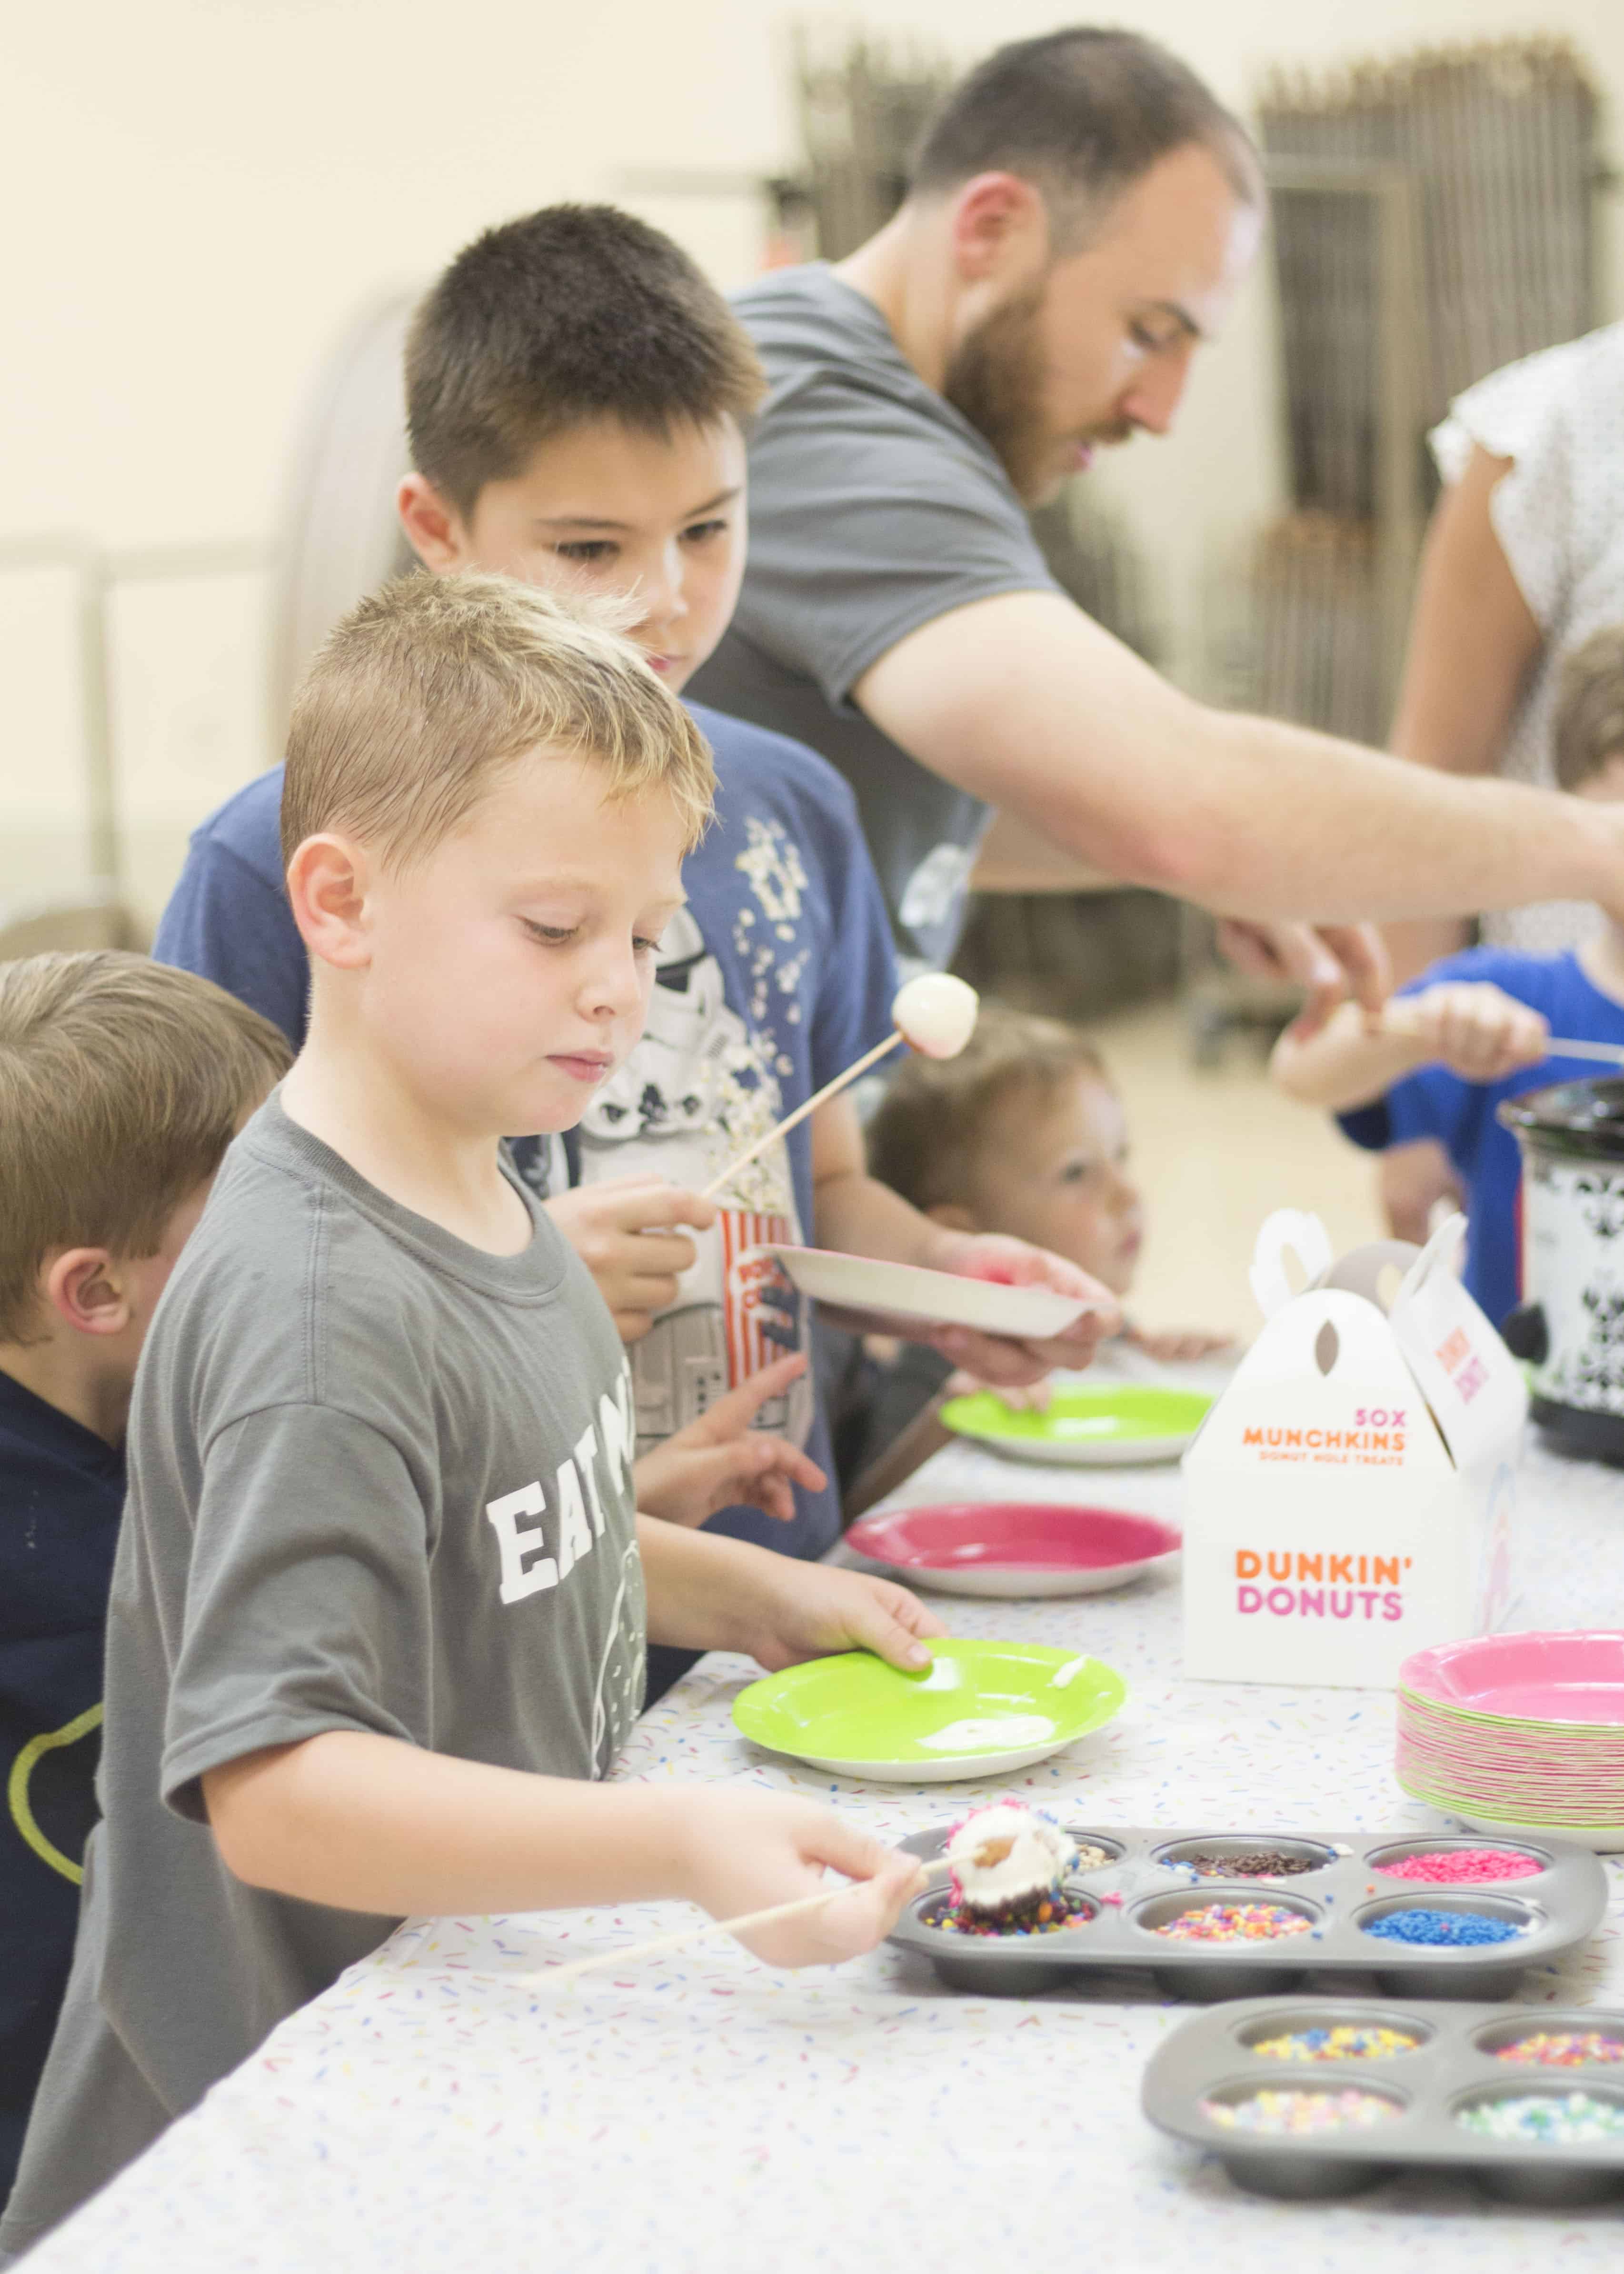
1557,2120
1049,1914
1563,2048
1234,1923
1346,2042
1301,2112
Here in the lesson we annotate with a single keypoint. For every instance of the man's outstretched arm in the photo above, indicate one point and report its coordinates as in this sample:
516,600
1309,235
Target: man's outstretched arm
1026,701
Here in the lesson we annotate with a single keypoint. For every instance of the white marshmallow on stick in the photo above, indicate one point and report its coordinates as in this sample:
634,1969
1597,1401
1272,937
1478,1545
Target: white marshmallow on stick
934,1013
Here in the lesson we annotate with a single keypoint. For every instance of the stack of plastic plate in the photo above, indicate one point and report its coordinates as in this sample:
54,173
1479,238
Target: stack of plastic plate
1519,1733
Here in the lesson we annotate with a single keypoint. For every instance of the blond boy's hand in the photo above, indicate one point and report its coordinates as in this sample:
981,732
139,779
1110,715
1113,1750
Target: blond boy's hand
810,1610
745,1851
1014,1361
1476,1030
719,1462
625,1231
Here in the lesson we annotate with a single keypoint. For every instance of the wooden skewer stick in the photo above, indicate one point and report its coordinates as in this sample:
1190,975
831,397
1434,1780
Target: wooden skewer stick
861,1066
556,1977
1566,1046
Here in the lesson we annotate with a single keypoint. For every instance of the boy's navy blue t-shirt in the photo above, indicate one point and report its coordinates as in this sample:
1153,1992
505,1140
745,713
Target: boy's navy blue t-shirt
1460,1115
61,1491
779,971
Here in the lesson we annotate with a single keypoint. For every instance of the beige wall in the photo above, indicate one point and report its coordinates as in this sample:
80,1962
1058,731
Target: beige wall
201,192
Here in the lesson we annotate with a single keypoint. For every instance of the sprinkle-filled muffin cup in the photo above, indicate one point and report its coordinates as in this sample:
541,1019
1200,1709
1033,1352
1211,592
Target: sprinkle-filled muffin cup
1299,2111
1264,1855
1217,1921
1546,2116
1458,1863
1336,2041
1447,1923
1557,2040
1065,1910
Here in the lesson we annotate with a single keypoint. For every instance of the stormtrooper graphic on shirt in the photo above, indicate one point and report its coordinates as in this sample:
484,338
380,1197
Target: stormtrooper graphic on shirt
697,1088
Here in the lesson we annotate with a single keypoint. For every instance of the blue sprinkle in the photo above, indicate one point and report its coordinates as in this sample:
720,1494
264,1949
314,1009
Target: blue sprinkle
1453,1929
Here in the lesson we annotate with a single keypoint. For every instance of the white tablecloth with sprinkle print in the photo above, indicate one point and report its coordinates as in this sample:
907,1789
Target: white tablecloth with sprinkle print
704,2113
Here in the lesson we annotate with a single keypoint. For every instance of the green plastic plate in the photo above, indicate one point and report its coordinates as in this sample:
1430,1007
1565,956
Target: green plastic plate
982,1708
1116,1424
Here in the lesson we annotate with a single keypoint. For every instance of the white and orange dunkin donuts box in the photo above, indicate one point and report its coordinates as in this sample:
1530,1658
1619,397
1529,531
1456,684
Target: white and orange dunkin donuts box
1350,1496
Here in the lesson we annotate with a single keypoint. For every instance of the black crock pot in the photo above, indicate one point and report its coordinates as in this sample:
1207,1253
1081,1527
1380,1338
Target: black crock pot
1570,1322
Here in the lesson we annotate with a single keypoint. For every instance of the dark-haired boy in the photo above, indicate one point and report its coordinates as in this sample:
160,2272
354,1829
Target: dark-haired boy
121,1085
576,395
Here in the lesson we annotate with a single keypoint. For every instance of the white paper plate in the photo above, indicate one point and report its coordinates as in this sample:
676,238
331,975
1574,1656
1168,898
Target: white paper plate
943,1298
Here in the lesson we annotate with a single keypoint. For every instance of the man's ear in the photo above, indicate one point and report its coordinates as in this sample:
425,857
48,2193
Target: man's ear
329,878
999,231
84,1286
951,1217
433,526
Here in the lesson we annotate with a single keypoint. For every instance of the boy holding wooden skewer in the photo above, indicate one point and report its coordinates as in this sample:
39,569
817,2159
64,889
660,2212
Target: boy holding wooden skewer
1476,1029
576,395
378,1614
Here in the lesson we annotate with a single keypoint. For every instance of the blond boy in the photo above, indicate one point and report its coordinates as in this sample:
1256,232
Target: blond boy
378,1616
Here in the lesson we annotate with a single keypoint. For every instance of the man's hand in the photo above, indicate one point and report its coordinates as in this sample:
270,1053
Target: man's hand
1014,1361
622,1230
811,1610
719,1462
1331,963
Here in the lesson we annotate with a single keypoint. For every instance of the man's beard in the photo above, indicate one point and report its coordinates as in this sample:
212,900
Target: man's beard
995,379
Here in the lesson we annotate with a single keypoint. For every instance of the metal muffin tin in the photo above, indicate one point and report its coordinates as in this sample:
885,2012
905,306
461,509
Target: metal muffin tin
1211,2058
1562,1905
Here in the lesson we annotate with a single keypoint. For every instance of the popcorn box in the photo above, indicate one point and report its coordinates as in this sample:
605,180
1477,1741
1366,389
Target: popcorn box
1349,1498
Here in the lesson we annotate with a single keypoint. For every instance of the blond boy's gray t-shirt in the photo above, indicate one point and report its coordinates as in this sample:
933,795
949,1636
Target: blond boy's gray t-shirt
874,508
379,1480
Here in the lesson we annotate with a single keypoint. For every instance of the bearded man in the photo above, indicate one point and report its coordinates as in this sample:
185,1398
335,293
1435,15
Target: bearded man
1080,216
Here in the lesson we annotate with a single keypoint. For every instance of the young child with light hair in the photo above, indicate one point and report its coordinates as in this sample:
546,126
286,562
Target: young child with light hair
1022,1135
382,1593
121,1085
1474,1029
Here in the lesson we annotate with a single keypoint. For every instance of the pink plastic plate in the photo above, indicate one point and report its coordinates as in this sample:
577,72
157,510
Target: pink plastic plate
1577,1677
1012,1548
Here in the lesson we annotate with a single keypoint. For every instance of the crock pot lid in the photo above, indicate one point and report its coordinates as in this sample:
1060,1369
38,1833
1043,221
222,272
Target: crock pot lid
1592,1108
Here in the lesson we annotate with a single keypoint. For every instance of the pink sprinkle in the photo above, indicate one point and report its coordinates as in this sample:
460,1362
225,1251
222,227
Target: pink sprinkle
1444,1865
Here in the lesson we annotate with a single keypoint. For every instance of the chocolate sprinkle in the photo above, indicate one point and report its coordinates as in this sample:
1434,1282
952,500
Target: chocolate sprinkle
1251,1864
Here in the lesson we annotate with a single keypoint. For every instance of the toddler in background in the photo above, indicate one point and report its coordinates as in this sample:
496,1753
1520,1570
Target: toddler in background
1474,1028
121,1085
1022,1135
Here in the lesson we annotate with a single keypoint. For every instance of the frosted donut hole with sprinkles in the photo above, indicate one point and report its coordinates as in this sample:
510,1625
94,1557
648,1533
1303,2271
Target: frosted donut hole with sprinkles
1349,1498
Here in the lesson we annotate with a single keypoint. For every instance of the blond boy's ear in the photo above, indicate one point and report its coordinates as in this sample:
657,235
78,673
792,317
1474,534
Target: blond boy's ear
327,881
433,527
82,1286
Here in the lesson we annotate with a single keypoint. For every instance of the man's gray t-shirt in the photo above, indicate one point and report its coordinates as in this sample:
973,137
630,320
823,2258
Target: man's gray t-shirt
379,1480
874,508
